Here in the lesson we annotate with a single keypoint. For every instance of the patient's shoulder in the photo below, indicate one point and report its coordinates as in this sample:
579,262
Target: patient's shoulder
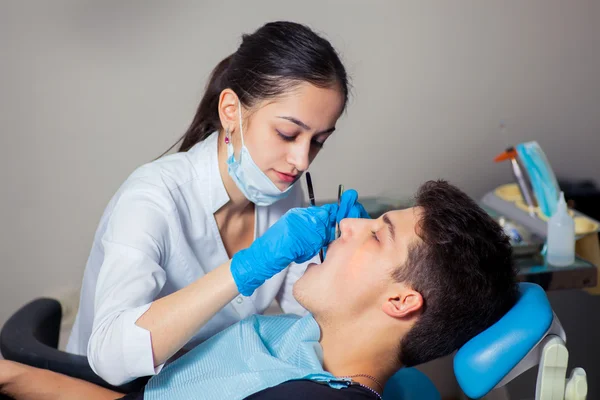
306,389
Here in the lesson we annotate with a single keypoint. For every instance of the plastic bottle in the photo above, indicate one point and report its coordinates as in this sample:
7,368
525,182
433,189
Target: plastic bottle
561,236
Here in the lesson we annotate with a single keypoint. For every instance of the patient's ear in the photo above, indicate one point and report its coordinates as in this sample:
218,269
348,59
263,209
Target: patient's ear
406,304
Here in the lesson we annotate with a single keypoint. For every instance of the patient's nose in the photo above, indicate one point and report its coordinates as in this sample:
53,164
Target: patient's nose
352,227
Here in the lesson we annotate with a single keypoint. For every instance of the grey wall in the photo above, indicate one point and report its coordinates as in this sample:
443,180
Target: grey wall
91,89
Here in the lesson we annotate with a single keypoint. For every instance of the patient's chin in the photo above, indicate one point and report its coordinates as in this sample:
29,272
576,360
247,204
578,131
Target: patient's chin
297,291
300,293
307,289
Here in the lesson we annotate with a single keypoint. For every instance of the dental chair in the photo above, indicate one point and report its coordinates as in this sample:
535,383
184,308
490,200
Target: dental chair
30,336
528,335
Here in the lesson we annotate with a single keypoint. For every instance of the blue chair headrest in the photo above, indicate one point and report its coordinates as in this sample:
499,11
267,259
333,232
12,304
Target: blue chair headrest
487,358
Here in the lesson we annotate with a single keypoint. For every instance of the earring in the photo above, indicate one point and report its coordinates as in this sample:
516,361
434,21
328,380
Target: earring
226,135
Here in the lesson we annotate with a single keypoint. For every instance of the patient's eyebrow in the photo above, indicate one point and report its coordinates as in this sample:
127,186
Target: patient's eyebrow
390,226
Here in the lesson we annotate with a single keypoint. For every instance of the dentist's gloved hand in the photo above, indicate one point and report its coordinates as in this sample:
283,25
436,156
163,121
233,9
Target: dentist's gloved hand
295,237
350,207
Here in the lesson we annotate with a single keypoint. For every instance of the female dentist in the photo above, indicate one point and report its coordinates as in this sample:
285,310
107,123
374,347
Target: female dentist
174,259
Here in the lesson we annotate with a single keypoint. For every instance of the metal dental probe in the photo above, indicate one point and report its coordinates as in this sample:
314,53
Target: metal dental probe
337,225
311,197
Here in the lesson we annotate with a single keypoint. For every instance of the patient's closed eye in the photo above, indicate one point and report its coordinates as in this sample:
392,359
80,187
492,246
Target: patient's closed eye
374,234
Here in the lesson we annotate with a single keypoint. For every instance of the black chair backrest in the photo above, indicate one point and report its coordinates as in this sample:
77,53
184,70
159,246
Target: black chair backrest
30,336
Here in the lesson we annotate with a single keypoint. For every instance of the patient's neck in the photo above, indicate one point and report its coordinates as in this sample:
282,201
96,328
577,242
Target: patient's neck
359,348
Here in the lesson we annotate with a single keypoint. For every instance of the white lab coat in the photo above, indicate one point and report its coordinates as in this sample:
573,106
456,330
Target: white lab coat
158,235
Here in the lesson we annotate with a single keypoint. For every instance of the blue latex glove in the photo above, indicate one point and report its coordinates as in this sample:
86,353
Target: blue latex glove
349,208
296,237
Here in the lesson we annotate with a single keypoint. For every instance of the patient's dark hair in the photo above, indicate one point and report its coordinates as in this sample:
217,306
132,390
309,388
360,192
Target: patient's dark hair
463,269
268,63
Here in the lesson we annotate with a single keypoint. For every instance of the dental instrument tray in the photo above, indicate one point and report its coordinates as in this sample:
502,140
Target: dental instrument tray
523,242
533,198
507,201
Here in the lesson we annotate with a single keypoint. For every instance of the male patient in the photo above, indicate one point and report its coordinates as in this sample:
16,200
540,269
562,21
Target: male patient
406,288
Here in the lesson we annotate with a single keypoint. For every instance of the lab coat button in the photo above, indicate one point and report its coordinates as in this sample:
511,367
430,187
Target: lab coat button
239,300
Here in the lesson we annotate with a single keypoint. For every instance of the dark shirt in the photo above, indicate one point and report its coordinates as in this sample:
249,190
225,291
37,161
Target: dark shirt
298,390
305,389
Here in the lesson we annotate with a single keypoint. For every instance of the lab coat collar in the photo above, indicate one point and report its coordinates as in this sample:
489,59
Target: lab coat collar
204,156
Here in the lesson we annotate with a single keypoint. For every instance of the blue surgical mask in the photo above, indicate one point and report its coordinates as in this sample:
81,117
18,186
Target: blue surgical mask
249,178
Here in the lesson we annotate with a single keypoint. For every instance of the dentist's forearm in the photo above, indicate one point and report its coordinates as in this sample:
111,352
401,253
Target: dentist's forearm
174,319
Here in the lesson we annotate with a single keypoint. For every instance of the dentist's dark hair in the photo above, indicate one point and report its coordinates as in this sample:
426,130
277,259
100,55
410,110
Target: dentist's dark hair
269,62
